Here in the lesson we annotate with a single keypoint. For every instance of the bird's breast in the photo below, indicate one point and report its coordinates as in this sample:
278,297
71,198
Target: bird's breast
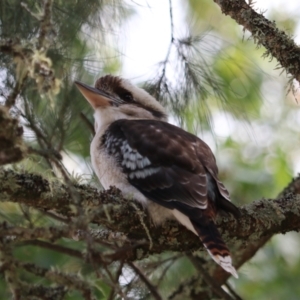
110,173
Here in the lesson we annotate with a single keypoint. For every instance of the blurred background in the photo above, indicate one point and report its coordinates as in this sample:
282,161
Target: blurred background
215,82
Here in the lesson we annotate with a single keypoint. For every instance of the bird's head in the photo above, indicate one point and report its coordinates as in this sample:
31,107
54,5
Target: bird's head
117,98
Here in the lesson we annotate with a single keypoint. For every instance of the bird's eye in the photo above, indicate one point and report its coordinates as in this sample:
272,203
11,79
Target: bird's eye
124,95
127,97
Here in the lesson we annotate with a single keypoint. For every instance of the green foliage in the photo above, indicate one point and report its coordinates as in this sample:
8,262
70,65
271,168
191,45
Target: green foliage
274,271
220,74
255,160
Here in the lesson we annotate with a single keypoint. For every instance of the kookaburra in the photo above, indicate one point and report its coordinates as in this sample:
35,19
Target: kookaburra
168,170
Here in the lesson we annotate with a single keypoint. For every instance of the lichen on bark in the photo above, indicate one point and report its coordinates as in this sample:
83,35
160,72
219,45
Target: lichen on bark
265,32
12,147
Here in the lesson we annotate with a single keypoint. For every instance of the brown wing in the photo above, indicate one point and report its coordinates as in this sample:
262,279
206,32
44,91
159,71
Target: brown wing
174,169
208,160
165,163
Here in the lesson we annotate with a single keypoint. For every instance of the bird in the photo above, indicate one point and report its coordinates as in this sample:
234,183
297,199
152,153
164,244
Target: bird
170,171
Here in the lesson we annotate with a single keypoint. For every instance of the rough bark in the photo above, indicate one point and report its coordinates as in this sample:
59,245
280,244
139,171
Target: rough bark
259,221
122,221
264,32
290,197
12,147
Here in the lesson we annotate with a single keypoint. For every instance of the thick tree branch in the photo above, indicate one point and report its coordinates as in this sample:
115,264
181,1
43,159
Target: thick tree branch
260,219
241,253
265,32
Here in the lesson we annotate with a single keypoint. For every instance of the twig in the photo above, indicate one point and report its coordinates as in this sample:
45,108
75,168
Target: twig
55,216
47,153
171,20
54,247
116,281
149,285
232,291
166,60
69,280
45,22
208,279
46,25
11,100
87,122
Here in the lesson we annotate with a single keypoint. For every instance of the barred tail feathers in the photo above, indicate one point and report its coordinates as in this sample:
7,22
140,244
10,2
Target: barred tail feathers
215,246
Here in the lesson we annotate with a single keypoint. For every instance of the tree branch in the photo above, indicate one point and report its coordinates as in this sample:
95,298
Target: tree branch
277,43
260,219
12,147
144,278
241,253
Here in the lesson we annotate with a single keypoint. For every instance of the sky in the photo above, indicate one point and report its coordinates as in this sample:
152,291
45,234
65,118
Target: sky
145,43
147,35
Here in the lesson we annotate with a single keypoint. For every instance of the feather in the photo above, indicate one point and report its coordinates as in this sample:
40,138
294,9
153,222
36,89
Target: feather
176,170
161,165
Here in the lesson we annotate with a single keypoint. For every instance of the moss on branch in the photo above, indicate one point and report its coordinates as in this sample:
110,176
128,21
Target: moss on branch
12,147
277,43
259,219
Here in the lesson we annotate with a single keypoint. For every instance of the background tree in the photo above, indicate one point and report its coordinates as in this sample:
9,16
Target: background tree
61,238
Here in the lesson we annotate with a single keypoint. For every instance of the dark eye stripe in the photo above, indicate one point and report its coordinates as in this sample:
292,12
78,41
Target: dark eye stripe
127,97
124,94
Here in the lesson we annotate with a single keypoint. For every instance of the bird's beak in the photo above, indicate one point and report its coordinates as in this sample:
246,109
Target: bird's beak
95,97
